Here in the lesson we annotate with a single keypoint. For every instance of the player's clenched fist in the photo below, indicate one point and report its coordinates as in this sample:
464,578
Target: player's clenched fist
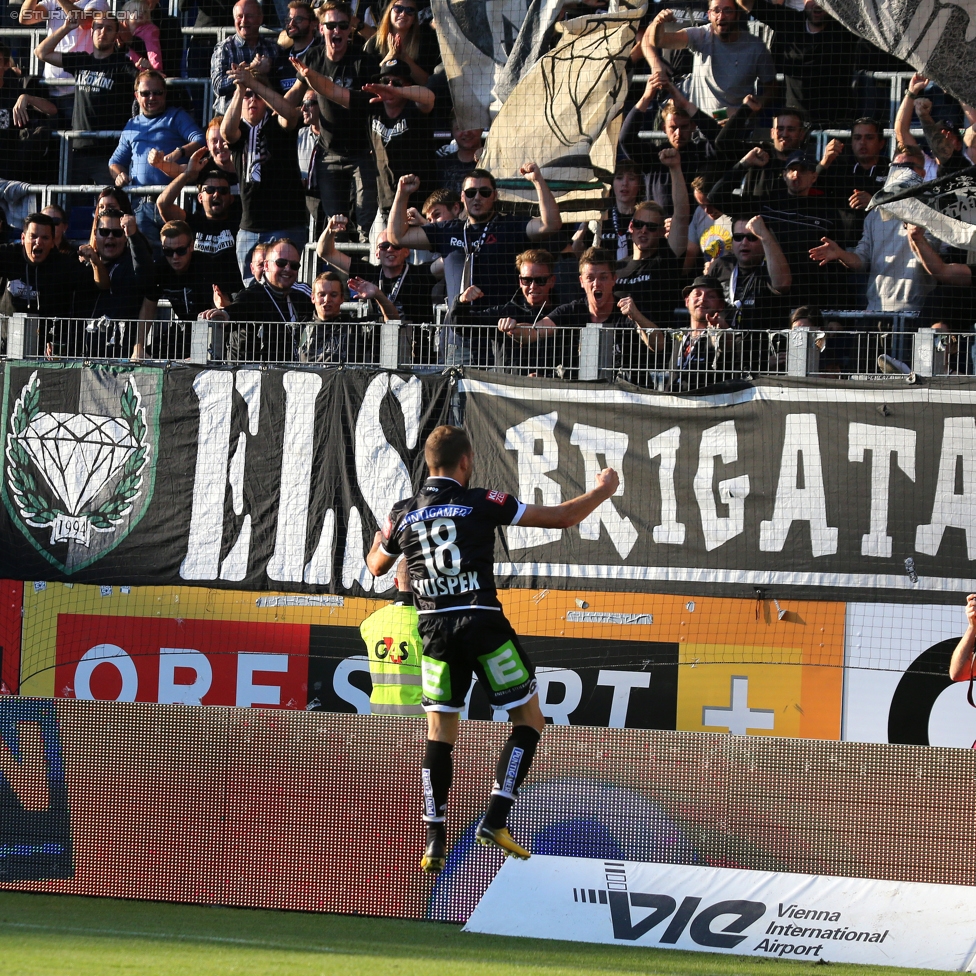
608,480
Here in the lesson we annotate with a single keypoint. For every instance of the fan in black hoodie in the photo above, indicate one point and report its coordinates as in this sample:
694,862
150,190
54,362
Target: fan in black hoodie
41,281
121,253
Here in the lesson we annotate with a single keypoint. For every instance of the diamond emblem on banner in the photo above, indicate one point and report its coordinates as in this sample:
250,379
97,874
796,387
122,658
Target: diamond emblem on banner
78,454
77,474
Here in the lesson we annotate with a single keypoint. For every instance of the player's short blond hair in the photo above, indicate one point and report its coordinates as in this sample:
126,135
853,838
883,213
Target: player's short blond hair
445,447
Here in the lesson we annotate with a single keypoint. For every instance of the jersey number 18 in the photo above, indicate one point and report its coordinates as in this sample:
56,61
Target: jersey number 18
445,558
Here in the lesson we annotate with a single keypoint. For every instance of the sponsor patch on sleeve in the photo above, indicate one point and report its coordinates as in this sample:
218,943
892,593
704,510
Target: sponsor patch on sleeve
498,497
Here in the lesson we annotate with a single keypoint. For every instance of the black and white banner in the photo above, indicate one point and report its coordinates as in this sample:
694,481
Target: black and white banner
277,480
841,490
253,478
936,37
946,207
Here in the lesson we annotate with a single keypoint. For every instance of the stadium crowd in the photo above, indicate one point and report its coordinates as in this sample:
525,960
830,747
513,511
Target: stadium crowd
713,243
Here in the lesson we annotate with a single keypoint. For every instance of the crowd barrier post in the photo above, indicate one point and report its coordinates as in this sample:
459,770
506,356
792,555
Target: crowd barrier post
928,359
803,356
390,344
590,347
200,340
16,335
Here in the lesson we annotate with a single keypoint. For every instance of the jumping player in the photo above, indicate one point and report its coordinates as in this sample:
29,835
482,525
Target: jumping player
447,533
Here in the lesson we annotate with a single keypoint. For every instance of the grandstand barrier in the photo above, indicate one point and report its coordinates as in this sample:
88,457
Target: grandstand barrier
889,344
320,812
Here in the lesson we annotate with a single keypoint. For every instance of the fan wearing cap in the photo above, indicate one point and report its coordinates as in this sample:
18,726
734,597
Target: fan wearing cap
797,212
397,112
943,135
708,352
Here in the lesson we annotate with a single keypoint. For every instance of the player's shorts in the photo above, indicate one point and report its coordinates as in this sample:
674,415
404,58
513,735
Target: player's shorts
481,642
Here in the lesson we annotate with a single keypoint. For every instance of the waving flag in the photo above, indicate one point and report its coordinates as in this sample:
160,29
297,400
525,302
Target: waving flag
936,37
946,207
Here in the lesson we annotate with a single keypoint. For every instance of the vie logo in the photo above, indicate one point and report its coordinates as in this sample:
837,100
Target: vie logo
630,925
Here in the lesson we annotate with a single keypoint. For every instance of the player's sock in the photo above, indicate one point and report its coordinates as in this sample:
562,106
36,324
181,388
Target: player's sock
437,773
513,767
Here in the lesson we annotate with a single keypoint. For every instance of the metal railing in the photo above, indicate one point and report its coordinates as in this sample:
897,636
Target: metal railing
673,360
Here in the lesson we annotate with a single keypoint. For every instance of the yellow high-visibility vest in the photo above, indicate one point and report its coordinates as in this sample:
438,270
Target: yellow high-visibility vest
395,648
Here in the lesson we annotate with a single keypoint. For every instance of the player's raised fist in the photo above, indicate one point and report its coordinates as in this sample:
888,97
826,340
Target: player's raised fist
608,480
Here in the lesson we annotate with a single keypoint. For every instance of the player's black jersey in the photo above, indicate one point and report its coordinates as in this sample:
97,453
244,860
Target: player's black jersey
447,533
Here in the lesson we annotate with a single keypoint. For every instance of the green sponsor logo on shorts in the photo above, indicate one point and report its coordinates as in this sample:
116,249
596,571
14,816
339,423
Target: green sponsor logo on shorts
436,679
504,668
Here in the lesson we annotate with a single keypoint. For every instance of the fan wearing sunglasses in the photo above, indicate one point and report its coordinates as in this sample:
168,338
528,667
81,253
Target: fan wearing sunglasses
796,211
758,280
652,277
400,36
480,247
523,343
192,282
600,305
404,289
345,166
276,302
118,251
216,221
261,128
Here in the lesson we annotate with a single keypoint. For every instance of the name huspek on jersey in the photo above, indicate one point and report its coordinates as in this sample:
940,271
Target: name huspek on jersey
447,585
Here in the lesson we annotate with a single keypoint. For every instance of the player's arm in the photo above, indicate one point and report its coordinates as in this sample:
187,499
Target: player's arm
378,561
575,510
961,665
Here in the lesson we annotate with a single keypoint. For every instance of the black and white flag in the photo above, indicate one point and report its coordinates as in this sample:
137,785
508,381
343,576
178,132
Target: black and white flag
946,207
936,37
486,48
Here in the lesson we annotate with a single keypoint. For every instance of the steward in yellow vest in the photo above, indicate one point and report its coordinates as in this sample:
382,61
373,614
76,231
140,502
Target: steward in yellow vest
394,647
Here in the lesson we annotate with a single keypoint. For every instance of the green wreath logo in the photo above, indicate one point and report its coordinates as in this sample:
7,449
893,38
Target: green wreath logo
77,457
